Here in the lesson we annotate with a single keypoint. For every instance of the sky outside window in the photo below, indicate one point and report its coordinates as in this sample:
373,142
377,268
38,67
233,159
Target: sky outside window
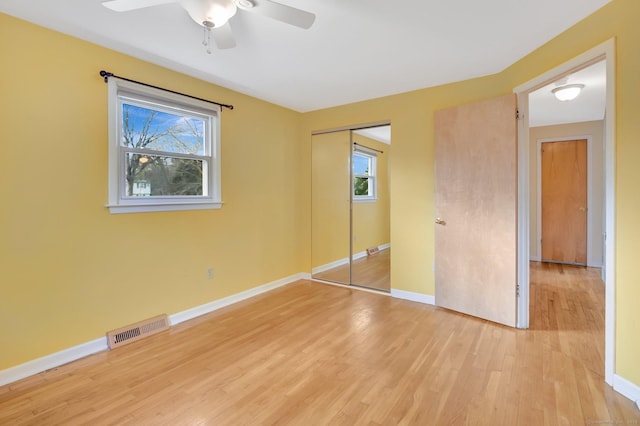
169,132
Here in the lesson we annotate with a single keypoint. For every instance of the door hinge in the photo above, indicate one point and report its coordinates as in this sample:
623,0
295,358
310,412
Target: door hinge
517,114
517,290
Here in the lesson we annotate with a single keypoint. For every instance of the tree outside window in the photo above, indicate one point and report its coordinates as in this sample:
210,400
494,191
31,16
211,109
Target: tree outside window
364,175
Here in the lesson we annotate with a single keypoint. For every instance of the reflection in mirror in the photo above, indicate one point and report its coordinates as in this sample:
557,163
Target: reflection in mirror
370,226
330,204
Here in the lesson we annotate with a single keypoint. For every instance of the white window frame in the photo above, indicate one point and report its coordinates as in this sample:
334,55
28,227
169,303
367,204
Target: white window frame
372,176
121,90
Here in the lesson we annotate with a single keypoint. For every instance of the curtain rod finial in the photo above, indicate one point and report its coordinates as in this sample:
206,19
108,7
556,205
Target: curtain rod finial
106,75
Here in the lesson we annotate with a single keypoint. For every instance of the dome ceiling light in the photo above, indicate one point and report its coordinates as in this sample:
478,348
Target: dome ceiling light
567,92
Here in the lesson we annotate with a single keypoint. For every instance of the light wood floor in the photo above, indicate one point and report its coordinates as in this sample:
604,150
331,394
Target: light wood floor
314,354
370,271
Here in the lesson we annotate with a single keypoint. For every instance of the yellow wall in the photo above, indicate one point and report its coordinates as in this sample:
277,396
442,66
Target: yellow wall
595,129
411,115
330,198
70,270
66,263
371,222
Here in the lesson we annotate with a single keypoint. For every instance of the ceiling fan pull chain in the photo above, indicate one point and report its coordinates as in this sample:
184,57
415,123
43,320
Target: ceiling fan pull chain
206,38
208,29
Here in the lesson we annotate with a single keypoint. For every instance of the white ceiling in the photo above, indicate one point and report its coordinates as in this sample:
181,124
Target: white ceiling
378,133
355,50
545,109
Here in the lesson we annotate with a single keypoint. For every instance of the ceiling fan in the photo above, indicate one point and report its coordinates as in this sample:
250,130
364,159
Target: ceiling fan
214,15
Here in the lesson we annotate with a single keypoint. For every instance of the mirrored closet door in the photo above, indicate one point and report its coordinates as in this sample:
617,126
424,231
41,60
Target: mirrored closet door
350,207
330,207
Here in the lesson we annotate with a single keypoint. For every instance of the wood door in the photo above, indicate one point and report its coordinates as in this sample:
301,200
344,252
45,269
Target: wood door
476,207
564,202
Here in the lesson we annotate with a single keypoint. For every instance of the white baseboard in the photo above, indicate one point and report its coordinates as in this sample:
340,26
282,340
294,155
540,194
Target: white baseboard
344,261
235,298
360,255
65,356
627,388
364,253
47,362
330,265
414,297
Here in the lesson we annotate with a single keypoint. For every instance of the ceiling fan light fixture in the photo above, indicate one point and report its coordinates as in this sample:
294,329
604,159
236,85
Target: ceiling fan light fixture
210,13
567,92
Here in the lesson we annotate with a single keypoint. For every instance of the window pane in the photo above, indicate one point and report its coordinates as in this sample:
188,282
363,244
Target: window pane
360,164
360,186
161,131
149,176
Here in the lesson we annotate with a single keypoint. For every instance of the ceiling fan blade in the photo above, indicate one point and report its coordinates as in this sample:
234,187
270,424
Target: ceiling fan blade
279,12
127,5
223,37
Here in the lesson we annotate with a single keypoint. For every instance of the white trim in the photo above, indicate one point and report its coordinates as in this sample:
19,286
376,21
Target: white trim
351,286
47,362
65,356
414,297
360,255
606,51
610,213
363,253
330,265
369,152
116,208
344,261
590,198
137,94
591,56
234,298
523,248
627,388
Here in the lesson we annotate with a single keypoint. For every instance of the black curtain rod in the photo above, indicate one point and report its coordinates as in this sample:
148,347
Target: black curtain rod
106,74
372,149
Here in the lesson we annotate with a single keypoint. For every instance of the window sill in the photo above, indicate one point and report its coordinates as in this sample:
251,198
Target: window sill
147,208
365,200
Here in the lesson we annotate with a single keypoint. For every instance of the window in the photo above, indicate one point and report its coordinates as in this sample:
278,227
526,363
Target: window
364,174
164,150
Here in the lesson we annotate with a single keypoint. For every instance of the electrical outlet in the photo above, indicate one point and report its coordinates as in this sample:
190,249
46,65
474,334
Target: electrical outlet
210,273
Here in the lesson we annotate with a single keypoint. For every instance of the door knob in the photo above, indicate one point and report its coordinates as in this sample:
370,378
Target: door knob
440,221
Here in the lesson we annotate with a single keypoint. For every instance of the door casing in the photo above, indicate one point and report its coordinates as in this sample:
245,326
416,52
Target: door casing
606,51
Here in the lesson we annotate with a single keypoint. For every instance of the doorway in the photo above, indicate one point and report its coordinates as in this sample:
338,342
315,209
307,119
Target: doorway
526,241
